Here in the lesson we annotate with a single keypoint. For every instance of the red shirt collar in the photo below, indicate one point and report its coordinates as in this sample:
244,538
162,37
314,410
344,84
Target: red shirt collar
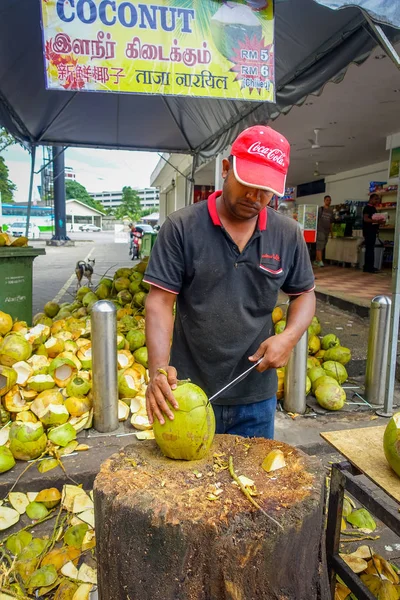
212,209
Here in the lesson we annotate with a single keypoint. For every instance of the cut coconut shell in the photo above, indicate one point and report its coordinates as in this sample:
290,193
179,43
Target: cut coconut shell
24,371
8,517
18,501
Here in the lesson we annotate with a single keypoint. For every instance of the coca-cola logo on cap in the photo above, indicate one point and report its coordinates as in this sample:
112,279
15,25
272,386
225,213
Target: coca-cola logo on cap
273,154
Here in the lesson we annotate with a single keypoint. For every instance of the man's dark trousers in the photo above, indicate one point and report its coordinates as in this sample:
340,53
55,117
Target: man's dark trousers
369,240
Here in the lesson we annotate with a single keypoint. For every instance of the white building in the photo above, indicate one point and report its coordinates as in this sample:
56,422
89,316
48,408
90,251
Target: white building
78,213
149,198
70,174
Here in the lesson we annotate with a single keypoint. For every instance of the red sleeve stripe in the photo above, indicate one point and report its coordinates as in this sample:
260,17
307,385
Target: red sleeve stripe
305,292
161,287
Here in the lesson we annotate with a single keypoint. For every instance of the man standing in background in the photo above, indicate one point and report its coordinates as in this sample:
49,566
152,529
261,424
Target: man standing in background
324,226
370,231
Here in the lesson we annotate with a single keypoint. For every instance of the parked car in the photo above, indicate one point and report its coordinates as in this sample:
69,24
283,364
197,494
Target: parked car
89,227
18,229
145,227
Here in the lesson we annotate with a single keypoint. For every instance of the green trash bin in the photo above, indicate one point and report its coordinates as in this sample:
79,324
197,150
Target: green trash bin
16,281
148,241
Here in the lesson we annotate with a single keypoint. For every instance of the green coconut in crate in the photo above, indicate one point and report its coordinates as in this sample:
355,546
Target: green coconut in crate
232,26
189,436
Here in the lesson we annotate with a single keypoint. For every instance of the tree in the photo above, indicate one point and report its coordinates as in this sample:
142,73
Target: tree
6,139
76,191
7,187
130,206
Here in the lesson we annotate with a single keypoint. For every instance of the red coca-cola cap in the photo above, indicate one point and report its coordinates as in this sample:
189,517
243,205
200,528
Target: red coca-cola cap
261,159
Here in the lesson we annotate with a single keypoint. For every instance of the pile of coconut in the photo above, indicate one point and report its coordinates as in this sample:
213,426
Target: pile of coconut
46,376
326,362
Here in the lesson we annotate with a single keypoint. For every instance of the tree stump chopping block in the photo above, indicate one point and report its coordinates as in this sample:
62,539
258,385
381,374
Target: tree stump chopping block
178,530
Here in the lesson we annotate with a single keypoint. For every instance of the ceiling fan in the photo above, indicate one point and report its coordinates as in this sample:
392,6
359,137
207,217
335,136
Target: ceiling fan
317,171
315,145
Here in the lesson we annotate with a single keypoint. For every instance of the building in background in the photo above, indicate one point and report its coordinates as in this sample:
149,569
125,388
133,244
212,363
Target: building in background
149,198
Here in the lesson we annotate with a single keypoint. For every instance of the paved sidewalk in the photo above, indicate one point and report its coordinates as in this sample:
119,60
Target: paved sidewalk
352,286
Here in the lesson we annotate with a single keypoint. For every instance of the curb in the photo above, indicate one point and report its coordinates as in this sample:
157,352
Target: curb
351,307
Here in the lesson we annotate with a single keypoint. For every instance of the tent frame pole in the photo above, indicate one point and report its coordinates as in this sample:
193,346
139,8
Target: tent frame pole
383,40
28,214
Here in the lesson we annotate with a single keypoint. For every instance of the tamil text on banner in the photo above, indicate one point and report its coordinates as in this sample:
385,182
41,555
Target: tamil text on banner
171,47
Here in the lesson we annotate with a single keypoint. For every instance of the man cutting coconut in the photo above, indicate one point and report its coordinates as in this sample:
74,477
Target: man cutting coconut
224,261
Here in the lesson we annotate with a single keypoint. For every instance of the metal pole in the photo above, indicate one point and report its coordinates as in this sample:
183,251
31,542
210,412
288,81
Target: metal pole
104,366
28,214
378,343
59,194
394,317
295,377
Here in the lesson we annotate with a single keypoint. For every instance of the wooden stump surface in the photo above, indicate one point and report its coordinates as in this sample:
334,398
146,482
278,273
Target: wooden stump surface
162,536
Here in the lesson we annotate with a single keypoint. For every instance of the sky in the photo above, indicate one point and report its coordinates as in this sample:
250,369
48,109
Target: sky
97,170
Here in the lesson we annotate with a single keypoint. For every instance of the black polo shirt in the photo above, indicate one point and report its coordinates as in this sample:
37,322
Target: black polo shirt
225,297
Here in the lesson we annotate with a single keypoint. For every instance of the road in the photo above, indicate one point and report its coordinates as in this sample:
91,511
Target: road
54,273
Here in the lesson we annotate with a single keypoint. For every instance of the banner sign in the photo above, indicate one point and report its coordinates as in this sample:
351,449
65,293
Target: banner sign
202,48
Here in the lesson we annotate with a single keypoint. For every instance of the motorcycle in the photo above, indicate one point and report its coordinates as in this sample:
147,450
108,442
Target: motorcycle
134,249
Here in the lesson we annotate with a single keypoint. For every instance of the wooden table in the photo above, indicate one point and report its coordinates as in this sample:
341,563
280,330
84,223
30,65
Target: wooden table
364,449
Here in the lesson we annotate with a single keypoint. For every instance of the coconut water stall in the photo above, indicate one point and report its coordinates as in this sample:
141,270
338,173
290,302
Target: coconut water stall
240,519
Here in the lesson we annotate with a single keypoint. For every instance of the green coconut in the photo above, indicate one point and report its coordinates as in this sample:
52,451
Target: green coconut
338,354
78,387
103,291
27,440
36,511
314,327
280,326
335,370
14,348
308,385
44,321
324,379
330,341
136,276
189,436
136,339
362,519
51,309
37,317
312,361
122,283
134,287
142,266
139,299
55,414
330,396
44,399
141,356
320,355
232,26
314,344
124,272
391,443
82,292
41,382
7,460
124,297
89,298
8,378
62,435
315,372
6,323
